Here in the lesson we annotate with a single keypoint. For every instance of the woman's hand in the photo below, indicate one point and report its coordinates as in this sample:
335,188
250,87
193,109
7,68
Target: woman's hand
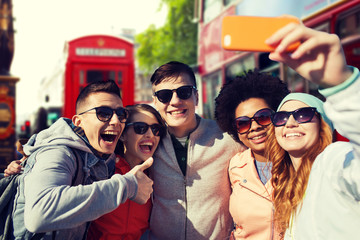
319,58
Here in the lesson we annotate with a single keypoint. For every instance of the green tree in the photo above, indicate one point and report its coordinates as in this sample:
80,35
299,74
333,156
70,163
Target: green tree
176,40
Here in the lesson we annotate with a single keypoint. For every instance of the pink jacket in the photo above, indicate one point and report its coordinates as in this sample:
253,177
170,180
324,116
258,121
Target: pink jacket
250,202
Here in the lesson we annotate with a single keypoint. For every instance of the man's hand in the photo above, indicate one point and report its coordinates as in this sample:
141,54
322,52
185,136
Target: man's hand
144,182
13,168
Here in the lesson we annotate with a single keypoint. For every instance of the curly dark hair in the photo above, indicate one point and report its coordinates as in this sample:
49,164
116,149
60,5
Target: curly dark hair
252,84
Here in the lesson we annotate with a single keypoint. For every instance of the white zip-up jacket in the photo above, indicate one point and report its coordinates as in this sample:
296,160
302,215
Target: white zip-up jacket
331,205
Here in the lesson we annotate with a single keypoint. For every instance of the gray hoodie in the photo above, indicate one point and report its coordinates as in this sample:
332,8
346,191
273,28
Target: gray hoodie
51,202
195,206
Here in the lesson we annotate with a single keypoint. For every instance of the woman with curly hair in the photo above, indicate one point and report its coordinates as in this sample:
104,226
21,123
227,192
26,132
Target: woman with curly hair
316,182
243,110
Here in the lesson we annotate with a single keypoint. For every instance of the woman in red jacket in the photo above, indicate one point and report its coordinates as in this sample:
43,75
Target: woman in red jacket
140,138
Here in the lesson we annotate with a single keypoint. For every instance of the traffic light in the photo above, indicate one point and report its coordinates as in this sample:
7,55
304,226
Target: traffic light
27,128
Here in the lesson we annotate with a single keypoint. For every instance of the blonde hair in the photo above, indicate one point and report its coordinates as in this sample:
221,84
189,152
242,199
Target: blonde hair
289,184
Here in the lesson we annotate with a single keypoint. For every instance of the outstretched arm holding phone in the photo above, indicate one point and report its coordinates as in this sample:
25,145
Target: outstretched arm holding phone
329,208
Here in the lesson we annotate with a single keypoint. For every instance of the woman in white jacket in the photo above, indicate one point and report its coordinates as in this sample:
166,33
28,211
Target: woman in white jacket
328,206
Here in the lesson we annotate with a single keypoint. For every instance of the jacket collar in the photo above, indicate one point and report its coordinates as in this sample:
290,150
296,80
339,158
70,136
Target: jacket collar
80,132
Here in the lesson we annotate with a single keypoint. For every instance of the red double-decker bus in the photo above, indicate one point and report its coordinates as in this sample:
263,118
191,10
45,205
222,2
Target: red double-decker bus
216,65
87,59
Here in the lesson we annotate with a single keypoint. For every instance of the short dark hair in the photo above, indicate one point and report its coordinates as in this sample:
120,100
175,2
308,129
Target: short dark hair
133,109
252,84
100,86
172,69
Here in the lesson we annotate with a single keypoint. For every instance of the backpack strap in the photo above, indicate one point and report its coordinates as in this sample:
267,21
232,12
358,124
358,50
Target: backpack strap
8,187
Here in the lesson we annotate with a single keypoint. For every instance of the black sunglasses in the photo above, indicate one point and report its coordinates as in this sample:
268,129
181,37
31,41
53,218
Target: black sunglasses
262,117
104,113
301,115
183,93
141,128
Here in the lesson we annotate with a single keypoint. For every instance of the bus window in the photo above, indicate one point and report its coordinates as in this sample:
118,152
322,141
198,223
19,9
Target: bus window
238,67
227,2
295,82
211,88
348,29
212,8
273,70
348,25
325,27
265,62
314,90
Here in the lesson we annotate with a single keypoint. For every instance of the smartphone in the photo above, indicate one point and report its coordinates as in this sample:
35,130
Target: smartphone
248,33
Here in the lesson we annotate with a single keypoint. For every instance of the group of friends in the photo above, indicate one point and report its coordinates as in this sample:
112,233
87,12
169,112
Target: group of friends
266,168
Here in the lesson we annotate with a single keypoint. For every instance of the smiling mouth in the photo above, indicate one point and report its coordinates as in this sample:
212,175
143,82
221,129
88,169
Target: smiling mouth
177,112
258,137
289,135
146,146
108,136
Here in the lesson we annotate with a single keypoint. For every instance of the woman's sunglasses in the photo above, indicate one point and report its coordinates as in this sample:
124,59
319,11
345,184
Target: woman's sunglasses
183,93
301,115
104,113
141,128
262,117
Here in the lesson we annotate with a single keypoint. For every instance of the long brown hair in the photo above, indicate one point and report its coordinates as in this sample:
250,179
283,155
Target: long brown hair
289,184
133,109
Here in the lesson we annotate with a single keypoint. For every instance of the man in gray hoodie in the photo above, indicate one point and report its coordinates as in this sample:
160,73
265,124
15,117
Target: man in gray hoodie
69,185
191,183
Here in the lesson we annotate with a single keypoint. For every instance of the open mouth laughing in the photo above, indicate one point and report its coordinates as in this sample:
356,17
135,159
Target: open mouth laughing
109,136
146,147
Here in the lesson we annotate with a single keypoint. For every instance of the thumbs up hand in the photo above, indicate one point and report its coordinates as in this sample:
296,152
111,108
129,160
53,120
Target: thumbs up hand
144,182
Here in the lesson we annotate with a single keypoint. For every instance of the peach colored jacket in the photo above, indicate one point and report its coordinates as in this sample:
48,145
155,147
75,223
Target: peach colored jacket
250,202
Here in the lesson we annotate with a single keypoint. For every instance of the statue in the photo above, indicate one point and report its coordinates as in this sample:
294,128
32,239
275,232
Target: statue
6,37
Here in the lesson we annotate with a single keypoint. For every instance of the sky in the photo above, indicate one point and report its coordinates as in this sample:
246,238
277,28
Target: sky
43,26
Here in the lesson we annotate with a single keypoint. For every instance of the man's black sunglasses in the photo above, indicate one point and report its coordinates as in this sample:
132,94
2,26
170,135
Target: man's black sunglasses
301,115
141,128
183,93
104,113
